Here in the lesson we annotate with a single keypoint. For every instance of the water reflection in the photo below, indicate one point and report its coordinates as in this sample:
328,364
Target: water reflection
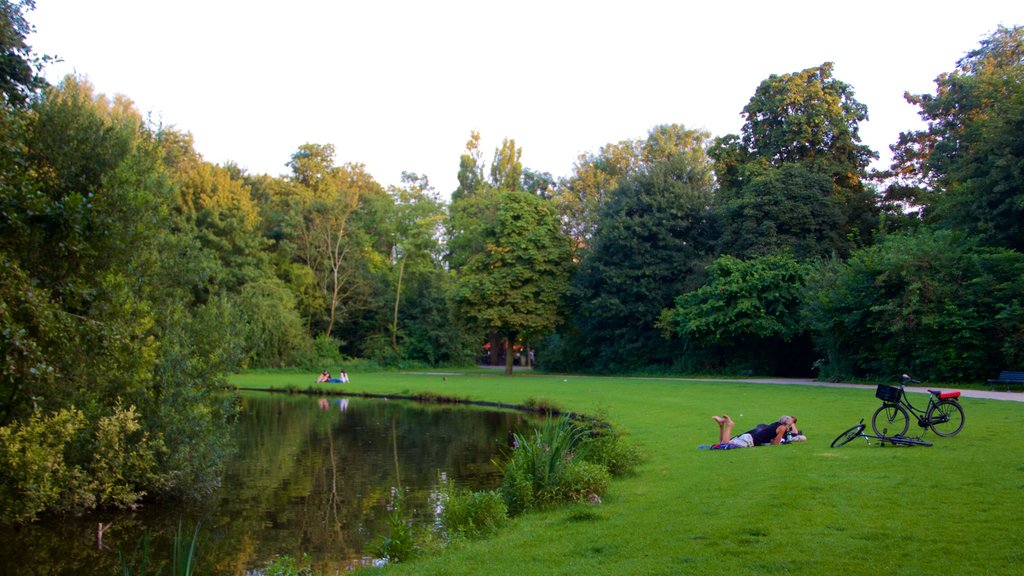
311,475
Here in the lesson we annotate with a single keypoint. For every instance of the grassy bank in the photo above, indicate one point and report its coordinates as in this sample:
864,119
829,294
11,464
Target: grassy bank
955,508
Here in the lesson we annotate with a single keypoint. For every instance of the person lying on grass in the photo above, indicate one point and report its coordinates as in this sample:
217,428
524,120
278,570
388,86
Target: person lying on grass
782,431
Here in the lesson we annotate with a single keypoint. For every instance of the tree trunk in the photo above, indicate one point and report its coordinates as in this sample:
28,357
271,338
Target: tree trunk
509,356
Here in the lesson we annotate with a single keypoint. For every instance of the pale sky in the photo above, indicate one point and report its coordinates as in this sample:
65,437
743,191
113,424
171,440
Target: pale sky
398,85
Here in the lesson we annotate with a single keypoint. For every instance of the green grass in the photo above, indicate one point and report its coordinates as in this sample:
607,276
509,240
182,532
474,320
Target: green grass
955,508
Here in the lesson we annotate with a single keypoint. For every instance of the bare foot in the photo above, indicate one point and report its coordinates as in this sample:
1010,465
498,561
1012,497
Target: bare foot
728,420
718,419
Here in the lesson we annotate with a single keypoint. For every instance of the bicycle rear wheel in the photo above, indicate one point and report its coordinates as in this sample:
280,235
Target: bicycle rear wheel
845,438
946,418
890,420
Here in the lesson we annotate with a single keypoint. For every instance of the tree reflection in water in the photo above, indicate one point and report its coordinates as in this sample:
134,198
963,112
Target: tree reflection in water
307,477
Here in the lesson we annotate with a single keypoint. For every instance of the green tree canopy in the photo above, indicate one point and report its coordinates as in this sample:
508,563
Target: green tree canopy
514,285
653,235
811,119
967,166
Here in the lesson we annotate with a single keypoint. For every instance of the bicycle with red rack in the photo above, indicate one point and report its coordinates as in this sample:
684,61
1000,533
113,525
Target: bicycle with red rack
943,415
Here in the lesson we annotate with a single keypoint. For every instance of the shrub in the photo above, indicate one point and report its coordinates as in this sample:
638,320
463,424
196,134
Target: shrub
399,545
467,514
578,481
607,446
36,475
536,472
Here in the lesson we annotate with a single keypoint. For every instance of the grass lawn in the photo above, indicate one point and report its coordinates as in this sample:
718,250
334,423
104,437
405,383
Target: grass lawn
954,508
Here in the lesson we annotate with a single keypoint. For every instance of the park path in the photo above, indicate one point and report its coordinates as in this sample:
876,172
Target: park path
987,394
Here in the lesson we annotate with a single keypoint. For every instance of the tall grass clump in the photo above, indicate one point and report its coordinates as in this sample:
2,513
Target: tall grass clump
550,467
184,552
399,544
465,514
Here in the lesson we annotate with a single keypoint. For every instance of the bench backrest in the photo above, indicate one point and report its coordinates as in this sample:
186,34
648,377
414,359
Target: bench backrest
1011,375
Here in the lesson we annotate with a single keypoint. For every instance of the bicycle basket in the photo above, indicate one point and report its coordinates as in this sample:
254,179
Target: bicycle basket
887,393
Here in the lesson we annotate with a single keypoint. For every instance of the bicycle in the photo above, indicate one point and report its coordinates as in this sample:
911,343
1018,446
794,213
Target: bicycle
943,415
858,432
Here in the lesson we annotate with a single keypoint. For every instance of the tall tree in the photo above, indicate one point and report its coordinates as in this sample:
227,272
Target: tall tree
507,169
20,68
471,168
514,285
652,236
596,176
967,166
327,197
811,119
417,219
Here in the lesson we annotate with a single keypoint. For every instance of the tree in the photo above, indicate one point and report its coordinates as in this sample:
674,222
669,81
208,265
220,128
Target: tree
653,235
932,303
19,67
748,310
811,119
514,284
327,197
785,209
507,170
417,223
101,338
471,168
595,176
967,166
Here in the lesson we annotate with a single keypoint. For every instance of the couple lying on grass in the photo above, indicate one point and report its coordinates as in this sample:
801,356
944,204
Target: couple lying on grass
782,431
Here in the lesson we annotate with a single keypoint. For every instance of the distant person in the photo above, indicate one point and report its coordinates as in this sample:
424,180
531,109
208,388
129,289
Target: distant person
782,431
343,377
325,376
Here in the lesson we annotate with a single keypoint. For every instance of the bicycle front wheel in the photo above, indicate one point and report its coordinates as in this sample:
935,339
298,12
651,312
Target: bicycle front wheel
890,420
845,438
946,418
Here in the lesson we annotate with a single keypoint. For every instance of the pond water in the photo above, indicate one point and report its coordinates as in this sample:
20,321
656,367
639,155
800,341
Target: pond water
311,475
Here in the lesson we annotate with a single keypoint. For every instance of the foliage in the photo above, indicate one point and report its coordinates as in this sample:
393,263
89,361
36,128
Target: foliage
399,545
469,514
36,475
652,239
932,304
742,302
286,565
807,119
20,68
550,468
515,285
966,166
788,208
273,332
607,446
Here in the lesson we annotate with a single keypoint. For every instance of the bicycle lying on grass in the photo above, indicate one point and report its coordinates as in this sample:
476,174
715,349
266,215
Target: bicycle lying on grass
858,432
943,415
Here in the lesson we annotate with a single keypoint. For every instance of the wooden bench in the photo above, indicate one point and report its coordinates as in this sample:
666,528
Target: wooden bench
1009,378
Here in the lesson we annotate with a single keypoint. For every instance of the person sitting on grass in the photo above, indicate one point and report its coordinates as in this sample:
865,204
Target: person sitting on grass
763,434
325,376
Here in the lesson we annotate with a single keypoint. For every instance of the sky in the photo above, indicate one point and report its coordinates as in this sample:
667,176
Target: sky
399,85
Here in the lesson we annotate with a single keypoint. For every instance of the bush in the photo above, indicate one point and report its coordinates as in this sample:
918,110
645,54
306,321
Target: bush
35,474
607,446
467,514
550,468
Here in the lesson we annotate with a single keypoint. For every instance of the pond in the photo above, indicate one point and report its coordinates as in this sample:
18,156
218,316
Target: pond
311,475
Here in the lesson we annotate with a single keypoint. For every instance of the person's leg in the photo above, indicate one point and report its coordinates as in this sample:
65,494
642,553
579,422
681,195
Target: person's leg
725,425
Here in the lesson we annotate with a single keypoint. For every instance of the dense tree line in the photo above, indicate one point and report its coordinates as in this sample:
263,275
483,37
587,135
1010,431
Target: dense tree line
134,275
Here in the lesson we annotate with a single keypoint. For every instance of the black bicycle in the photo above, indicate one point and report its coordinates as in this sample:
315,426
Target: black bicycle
858,432
943,415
